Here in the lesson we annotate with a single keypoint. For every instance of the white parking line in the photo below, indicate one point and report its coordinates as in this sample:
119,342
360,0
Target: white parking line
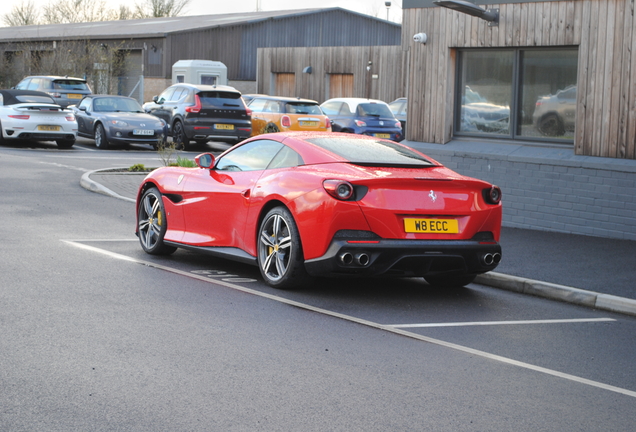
364,322
489,323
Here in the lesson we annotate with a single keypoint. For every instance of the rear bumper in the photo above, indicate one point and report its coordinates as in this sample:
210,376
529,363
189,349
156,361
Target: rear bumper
199,131
406,258
43,136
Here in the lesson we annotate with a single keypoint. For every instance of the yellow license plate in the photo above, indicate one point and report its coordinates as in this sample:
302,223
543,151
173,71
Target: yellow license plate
442,226
224,126
309,123
74,96
382,135
48,128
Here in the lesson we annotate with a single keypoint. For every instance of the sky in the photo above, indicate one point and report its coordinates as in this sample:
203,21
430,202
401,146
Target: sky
375,8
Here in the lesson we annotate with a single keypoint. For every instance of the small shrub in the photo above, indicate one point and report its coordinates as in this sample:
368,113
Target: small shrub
187,163
137,168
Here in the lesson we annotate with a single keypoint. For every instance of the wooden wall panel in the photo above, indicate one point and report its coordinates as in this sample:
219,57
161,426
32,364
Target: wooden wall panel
604,31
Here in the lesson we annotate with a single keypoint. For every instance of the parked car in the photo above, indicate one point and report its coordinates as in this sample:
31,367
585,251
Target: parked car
202,113
398,108
555,114
34,115
63,89
478,114
301,204
364,117
276,114
117,120
247,98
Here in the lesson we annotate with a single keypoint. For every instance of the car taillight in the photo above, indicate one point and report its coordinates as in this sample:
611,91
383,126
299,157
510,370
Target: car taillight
247,110
360,123
285,121
398,124
20,117
196,107
55,95
70,118
327,122
492,195
339,189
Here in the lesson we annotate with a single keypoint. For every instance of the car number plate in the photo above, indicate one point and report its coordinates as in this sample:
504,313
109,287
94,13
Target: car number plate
143,132
309,123
74,96
48,128
224,126
445,226
382,135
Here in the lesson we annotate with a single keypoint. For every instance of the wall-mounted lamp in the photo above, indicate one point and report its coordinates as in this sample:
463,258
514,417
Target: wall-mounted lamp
153,48
369,66
420,38
308,70
104,46
490,15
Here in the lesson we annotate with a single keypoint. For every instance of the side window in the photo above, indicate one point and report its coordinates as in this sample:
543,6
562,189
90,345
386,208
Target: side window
34,84
86,103
258,105
331,108
179,94
252,156
166,95
22,85
286,158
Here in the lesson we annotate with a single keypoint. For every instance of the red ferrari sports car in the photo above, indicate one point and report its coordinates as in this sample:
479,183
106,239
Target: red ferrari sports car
302,204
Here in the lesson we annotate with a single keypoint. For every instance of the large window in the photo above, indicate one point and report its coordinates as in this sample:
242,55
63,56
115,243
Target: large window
517,93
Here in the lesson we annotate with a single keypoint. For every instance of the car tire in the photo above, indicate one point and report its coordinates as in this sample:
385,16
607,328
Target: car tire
551,125
450,281
280,255
101,141
271,128
65,144
181,141
152,224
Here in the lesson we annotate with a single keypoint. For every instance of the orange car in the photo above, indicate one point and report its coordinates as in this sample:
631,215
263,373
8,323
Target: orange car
283,114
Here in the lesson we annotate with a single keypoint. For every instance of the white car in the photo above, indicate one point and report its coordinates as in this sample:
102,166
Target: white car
33,115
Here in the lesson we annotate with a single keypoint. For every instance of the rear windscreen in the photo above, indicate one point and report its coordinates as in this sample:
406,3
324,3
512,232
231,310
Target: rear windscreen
303,108
34,99
220,99
374,110
68,84
371,152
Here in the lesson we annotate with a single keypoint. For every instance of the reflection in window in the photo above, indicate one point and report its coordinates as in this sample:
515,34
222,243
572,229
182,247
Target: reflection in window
536,86
486,92
548,93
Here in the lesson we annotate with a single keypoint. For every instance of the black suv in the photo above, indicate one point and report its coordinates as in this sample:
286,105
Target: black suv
63,89
201,113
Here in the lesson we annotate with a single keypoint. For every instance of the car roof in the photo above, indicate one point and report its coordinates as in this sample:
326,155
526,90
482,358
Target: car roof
354,102
286,99
204,87
9,95
54,77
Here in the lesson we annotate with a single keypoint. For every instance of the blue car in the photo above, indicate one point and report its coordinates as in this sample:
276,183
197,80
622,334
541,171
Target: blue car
363,117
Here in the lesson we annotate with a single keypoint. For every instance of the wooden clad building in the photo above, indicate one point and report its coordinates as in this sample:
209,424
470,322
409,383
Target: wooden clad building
463,53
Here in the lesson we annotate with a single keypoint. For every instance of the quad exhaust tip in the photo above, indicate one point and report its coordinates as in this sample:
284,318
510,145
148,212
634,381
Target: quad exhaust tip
490,259
360,259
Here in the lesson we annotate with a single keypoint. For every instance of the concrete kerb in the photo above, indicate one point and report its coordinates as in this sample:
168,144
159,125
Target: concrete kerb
558,292
493,279
93,186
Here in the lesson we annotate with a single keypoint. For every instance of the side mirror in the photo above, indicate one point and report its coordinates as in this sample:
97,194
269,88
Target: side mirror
205,160
155,99
82,108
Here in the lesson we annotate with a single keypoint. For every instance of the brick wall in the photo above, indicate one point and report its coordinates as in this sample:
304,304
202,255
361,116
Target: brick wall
550,189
